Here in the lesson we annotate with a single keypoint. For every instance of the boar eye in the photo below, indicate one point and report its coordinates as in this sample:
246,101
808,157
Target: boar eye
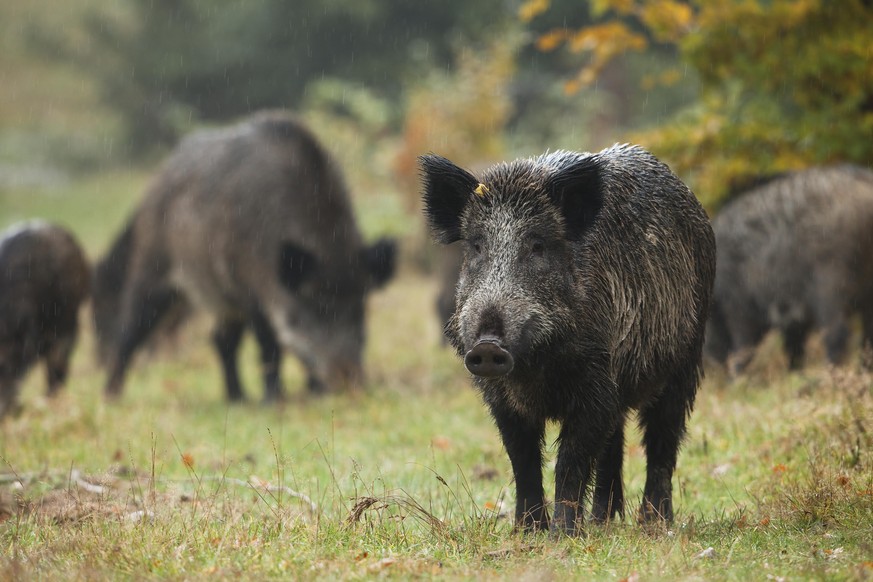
537,248
476,246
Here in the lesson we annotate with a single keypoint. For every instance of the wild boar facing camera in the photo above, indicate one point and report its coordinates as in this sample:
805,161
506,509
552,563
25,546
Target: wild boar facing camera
44,279
583,294
253,224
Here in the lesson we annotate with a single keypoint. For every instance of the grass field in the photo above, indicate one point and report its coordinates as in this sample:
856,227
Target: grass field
407,480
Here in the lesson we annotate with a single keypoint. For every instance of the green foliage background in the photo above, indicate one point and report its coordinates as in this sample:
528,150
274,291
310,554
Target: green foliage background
784,84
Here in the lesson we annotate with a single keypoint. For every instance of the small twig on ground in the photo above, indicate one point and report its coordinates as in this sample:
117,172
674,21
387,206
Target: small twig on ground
76,477
255,482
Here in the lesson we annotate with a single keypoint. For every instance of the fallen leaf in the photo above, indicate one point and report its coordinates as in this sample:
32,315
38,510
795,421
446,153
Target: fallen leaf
441,443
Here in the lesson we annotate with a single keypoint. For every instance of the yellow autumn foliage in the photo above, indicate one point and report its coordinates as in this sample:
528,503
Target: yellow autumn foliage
785,84
532,8
460,115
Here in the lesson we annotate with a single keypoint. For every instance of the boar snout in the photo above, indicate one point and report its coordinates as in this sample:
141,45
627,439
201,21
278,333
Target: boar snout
488,359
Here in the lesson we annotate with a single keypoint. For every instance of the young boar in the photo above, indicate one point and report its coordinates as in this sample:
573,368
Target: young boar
584,294
254,225
44,279
794,254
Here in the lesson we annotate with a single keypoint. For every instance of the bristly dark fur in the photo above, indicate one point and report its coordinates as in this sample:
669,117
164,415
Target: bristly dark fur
44,279
594,272
794,254
252,223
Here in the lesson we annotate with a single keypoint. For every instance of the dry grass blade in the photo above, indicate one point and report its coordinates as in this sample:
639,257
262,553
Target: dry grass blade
405,503
361,505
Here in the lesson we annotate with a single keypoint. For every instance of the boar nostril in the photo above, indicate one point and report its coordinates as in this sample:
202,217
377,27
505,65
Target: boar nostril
488,359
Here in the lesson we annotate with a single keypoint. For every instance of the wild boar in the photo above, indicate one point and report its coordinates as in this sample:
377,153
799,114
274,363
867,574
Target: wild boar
450,261
583,295
44,279
253,224
794,255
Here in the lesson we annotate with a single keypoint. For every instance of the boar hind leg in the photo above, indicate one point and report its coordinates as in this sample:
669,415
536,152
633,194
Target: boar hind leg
147,307
226,338
663,424
836,340
9,399
867,336
523,440
271,356
794,342
746,332
831,315
608,493
57,362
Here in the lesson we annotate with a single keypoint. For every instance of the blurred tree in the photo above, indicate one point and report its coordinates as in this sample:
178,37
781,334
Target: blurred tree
461,115
165,63
785,83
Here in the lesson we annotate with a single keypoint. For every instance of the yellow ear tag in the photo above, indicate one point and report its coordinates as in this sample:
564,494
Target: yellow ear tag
481,190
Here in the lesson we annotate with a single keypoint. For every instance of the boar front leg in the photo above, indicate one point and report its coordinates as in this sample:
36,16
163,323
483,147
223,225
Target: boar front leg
608,500
581,443
523,439
57,362
227,337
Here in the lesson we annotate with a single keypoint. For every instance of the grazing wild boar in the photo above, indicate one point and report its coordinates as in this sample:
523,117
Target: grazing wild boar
44,278
795,254
449,268
253,224
584,294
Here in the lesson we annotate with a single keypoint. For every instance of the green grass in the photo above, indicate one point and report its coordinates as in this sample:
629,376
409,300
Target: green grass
775,475
406,480
775,479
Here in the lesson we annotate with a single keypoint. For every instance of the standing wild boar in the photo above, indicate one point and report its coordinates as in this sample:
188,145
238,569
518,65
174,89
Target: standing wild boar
253,224
450,261
584,294
44,278
795,254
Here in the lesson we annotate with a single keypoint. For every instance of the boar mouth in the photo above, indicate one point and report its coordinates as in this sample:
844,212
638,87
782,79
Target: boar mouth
488,359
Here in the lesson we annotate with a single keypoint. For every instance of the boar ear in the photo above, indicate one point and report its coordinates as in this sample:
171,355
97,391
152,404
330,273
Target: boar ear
380,259
296,265
446,190
577,189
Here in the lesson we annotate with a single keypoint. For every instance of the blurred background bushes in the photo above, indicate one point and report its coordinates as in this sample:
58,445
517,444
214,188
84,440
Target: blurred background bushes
725,91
